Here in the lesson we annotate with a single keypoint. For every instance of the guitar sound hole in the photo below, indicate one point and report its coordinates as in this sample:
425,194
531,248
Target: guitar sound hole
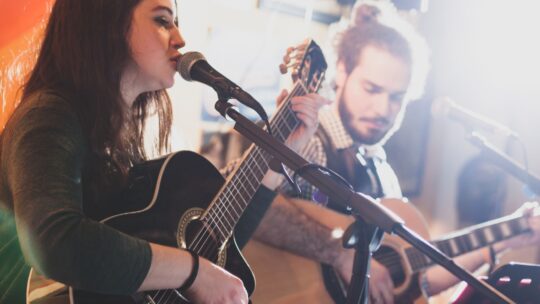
392,261
203,240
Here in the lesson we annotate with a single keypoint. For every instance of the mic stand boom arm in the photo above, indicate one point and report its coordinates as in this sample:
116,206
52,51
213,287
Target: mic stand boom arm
504,162
362,206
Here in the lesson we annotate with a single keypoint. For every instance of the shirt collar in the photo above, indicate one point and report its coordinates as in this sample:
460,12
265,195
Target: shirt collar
331,121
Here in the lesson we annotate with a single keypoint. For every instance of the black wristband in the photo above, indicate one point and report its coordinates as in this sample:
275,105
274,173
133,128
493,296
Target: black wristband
194,271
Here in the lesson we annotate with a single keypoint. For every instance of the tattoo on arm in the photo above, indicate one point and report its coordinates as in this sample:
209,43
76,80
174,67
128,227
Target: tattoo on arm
287,227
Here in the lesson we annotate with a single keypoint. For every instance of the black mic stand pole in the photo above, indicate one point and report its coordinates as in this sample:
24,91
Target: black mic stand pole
363,206
365,239
504,162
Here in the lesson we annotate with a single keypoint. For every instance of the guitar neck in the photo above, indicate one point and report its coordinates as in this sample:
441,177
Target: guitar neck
241,185
470,239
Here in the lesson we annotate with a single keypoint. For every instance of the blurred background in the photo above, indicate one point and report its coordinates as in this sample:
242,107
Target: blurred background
484,55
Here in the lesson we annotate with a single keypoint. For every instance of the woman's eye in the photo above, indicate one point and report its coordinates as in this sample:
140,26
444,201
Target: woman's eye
163,21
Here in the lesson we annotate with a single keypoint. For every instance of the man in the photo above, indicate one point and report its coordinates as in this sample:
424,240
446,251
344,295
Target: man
379,69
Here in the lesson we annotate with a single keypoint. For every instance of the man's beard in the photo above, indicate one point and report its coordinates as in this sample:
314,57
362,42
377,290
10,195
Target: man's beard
365,139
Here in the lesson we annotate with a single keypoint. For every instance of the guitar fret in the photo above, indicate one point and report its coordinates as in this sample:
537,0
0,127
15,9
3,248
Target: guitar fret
280,134
214,222
454,249
416,259
445,248
224,216
489,236
243,192
291,120
481,236
468,240
497,231
228,199
463,244
474,241
506,230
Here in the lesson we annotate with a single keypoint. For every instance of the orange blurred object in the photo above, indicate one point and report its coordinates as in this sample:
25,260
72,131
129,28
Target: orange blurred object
20,22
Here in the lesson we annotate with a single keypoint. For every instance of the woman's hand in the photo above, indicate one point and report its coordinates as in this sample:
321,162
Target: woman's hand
215,285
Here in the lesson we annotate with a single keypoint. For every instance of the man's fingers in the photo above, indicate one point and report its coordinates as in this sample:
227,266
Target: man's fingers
281,97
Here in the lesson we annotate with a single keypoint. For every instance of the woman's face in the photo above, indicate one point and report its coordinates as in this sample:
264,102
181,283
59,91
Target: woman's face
154,40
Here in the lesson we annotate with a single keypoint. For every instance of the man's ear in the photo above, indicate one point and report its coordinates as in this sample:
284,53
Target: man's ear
341,74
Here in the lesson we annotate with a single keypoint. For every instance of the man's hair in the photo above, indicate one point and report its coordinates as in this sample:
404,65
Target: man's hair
378,24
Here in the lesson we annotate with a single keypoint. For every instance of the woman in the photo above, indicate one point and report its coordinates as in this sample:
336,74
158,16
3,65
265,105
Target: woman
102,66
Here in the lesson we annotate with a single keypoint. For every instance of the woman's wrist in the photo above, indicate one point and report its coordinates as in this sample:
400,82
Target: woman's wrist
193,273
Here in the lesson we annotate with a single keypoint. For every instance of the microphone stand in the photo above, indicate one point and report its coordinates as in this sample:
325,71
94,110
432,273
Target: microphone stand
362,206
509,165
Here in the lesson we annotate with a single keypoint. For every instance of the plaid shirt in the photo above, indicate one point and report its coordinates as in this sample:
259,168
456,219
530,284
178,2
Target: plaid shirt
315,152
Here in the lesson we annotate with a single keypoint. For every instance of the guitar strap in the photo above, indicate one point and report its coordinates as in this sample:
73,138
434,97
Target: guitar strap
360,172
362,175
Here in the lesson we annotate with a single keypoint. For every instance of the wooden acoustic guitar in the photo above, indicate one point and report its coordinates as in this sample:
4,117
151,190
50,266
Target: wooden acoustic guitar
181,200
287,278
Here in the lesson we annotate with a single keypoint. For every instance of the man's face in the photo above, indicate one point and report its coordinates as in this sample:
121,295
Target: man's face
372,95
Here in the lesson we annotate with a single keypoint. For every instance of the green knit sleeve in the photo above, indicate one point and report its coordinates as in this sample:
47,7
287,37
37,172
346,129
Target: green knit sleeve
43,158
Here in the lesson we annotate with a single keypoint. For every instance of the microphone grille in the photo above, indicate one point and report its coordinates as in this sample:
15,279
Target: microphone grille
186,62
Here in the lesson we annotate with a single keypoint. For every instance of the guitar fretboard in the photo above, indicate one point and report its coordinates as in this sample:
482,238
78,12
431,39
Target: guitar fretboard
238,190
470,239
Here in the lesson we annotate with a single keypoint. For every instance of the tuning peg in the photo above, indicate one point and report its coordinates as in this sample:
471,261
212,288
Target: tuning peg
283,68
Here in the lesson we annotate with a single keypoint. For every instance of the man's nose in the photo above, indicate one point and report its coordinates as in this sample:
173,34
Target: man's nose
381,105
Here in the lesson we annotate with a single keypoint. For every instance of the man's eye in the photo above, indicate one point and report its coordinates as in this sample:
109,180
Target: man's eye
372,90
397,98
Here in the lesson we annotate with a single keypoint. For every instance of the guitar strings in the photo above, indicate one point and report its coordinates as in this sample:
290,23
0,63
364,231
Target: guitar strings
221,211
257,154
202,237
212,217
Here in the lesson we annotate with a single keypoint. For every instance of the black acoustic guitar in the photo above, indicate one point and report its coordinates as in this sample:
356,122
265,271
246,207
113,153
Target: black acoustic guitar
182,200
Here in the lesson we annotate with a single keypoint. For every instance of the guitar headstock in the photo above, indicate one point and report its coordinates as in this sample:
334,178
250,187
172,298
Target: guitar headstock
306,63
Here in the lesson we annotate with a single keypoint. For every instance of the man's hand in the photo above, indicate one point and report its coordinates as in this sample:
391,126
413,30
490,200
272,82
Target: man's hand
381,286
306,109
528,210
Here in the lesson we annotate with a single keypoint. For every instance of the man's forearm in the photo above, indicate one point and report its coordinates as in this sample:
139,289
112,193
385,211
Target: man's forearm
288,226
439,279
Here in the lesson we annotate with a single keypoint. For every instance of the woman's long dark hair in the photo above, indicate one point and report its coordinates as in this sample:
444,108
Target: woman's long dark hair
83,54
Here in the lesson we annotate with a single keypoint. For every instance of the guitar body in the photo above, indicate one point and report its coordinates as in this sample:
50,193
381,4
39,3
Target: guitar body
286,278
162,203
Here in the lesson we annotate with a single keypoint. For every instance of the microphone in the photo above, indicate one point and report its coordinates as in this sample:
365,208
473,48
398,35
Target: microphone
469,119
193,66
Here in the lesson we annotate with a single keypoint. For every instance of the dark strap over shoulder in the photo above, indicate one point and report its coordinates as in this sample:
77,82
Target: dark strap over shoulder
339,161
346,163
